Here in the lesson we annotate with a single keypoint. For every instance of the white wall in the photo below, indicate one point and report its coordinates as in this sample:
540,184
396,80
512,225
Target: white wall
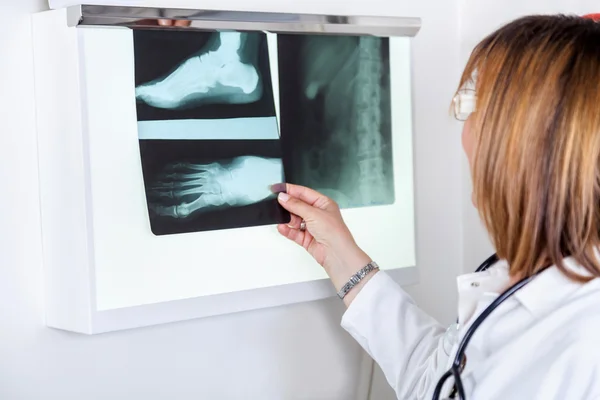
295,352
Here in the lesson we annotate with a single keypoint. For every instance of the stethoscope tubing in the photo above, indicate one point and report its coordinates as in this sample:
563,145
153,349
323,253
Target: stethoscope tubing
491,260
455,370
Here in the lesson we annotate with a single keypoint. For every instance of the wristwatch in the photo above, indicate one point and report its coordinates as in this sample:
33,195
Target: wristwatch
356,278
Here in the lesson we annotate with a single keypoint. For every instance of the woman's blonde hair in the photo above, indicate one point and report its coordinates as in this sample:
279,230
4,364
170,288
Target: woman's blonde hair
536,129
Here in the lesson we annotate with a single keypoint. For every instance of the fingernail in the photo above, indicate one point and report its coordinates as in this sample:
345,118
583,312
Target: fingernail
283,196
278,187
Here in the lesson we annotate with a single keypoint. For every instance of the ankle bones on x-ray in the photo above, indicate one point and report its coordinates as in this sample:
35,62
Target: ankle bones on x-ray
242,181
217,76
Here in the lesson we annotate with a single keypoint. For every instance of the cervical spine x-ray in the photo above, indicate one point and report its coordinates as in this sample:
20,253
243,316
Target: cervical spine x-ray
336,116
209,136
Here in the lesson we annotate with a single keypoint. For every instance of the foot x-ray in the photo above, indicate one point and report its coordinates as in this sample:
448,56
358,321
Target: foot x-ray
197,85
209,139
206,185
336,116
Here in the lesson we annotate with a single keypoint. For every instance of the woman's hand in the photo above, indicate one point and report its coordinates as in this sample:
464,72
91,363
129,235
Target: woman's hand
326,238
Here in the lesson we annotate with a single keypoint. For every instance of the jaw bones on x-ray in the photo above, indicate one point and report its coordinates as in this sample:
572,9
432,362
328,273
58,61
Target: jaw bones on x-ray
209,139
336,116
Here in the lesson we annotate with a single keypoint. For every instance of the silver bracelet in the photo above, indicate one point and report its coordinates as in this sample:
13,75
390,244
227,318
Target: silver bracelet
357,277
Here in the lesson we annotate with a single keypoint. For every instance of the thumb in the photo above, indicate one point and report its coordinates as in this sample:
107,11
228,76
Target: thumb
296,206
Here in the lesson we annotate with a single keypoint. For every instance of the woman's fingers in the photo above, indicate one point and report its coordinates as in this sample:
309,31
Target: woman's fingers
295,222
183,22
173,22
302,238
296,206
307,195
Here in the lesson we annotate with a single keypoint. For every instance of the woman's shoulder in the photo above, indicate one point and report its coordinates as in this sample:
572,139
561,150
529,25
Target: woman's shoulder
567,311
582,316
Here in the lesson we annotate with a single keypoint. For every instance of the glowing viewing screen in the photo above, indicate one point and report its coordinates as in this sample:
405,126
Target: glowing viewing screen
203,123
212,143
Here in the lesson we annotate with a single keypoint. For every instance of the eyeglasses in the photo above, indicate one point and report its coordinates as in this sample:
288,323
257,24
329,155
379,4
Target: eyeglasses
464,104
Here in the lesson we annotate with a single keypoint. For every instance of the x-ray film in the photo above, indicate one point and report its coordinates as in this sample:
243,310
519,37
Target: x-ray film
196,85
336,116
207,185
209,139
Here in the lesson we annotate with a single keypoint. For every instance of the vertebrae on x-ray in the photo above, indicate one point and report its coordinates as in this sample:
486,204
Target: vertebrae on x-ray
346,73
211,77
239,182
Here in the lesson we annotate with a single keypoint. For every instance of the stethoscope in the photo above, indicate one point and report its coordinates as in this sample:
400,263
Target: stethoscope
460,360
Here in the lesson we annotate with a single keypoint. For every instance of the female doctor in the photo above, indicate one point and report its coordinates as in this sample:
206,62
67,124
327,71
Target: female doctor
530,95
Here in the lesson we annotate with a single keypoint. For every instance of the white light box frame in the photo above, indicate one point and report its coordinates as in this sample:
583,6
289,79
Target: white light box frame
104,269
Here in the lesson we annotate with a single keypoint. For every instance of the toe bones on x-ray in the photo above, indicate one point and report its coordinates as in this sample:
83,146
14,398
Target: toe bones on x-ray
238,182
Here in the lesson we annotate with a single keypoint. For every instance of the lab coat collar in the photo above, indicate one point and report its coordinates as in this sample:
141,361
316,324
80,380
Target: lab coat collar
541,295
478,289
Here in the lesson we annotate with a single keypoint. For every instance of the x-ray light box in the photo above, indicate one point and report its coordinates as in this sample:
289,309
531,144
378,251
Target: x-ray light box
156,147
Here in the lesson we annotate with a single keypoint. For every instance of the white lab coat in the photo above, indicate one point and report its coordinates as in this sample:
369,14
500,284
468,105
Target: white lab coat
543,343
